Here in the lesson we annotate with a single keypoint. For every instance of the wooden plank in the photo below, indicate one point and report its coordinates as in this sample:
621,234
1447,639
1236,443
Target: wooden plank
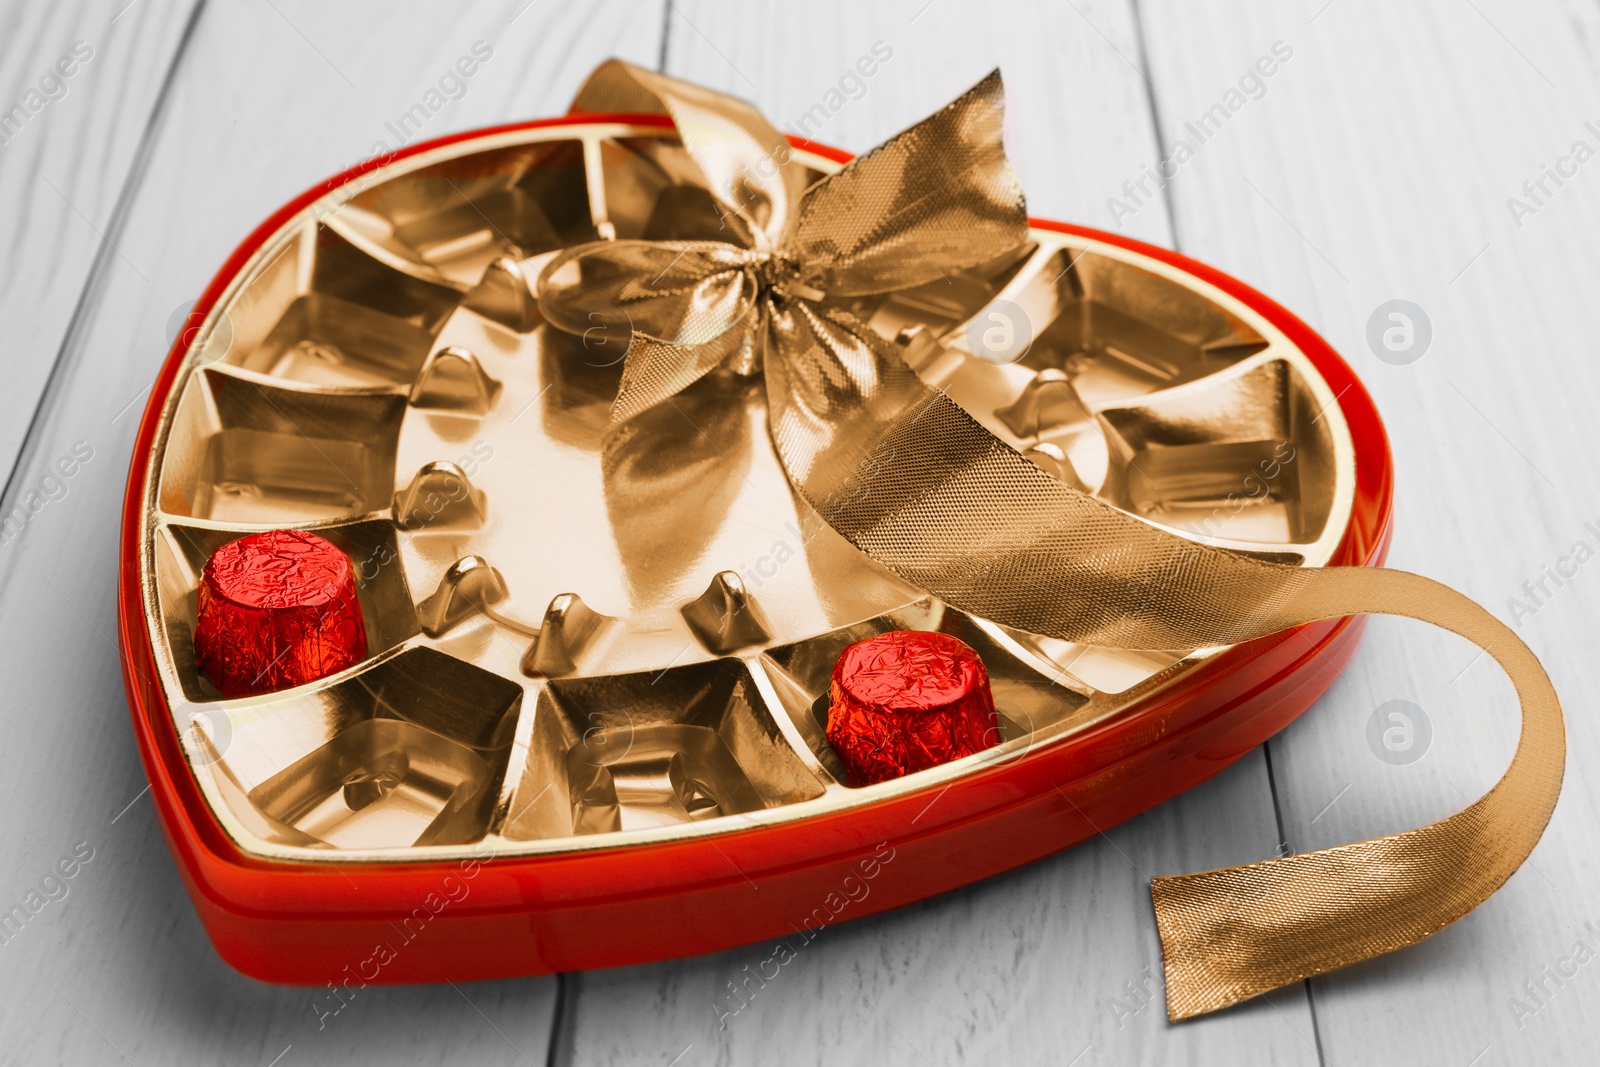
268,99
1377,165
1057,962
76,94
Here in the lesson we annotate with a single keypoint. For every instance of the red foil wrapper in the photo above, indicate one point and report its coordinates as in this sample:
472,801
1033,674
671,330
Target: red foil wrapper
906,701
277,609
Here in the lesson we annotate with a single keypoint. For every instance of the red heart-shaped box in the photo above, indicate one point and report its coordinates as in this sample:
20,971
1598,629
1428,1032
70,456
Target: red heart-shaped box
639,772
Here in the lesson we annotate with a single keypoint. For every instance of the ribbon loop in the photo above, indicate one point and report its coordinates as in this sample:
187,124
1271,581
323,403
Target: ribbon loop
934,200
745,161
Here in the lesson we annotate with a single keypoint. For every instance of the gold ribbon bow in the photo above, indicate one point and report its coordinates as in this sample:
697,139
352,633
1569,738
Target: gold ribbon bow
912,480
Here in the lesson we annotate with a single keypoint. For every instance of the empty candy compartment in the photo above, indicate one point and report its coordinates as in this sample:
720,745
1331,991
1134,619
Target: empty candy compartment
642,751
243,451
382,783
328,311
410,751
1108,328
353,273
324,340
917,315
451,220
1226,456
182,552
1151,396
1124,330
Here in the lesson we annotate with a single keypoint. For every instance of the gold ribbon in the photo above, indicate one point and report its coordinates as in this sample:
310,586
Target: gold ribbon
912,480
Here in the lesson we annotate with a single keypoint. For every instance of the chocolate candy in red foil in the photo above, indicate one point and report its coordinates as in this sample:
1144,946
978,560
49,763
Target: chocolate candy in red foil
906,701
277,609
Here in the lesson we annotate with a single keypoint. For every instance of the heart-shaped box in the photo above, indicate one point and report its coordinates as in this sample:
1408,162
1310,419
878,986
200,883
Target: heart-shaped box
588,730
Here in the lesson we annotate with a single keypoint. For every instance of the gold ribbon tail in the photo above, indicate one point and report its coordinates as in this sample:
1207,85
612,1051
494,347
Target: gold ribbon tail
926,491
1232,934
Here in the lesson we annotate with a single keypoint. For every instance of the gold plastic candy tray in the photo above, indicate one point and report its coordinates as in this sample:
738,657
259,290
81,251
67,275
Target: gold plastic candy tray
567,654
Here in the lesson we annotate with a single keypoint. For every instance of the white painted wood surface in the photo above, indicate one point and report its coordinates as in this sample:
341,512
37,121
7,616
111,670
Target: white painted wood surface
267,99
1378,166
77,88
1375,165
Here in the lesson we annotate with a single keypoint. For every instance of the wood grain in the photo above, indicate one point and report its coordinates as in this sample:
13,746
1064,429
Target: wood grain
1057,962
267,99
1377,166
68,146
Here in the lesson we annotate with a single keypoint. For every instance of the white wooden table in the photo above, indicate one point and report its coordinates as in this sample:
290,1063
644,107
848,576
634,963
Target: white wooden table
1375,164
